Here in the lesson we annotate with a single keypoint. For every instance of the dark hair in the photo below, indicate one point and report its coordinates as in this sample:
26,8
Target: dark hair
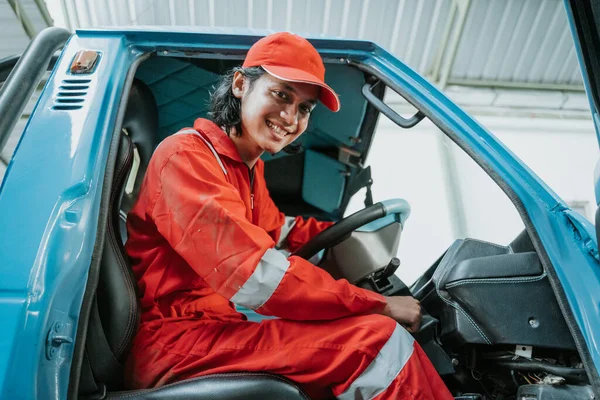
225,108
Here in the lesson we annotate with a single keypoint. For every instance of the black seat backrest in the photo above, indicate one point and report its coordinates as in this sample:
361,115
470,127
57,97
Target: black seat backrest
141,125
115,312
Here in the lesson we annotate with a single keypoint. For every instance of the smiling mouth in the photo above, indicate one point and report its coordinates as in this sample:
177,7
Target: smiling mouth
279,131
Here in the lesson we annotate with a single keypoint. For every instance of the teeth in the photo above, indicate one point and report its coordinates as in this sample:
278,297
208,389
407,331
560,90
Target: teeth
277,129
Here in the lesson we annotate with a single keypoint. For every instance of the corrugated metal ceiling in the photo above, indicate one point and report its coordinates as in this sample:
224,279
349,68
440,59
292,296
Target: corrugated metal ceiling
505,43
514,43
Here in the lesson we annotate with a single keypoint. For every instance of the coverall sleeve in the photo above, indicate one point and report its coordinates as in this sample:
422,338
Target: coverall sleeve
203,218
303,230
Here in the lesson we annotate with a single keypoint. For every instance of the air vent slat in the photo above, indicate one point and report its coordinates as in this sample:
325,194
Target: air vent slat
74,87
71,94
66,107
76,81
67,100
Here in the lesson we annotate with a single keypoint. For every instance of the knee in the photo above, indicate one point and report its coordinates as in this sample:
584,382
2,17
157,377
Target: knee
372,332
378,323
380,350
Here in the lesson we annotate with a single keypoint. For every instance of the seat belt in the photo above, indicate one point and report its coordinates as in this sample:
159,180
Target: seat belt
362,180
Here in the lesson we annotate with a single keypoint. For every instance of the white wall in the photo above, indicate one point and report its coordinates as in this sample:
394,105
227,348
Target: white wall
562,152
409,164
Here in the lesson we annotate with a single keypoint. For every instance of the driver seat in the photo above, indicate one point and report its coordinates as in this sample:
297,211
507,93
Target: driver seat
115,313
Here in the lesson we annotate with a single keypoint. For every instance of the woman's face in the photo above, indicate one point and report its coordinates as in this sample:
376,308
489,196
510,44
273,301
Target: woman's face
274,112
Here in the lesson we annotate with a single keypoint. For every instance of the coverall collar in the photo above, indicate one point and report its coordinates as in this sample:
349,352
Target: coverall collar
218,138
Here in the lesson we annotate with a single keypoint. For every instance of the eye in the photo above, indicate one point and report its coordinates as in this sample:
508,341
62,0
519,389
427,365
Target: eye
281,95
305,109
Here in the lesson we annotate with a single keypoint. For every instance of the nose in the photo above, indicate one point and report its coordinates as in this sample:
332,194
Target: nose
290,114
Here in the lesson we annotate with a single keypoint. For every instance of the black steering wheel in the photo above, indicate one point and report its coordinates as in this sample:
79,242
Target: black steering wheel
370,218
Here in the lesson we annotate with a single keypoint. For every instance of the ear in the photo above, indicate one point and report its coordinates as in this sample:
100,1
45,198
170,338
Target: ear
237,85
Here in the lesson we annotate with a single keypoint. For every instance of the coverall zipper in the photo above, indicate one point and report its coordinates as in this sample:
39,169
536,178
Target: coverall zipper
251,179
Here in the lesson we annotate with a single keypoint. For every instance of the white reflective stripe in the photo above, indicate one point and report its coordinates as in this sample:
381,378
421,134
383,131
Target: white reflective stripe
392,357
287,226
261,285
286,253
210,146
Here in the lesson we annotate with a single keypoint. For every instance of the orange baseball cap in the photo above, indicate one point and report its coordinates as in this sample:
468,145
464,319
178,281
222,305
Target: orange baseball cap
292,58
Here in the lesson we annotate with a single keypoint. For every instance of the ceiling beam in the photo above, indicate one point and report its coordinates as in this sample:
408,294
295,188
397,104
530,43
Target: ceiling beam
41,5
439,57
569,87
23,18
462,7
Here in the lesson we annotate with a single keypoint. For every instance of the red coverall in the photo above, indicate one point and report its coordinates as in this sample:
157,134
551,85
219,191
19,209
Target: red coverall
201,239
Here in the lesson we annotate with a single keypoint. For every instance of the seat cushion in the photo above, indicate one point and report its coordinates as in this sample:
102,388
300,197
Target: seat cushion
231,386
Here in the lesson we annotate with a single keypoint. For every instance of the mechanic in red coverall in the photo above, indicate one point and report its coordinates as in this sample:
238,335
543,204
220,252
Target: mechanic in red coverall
203,237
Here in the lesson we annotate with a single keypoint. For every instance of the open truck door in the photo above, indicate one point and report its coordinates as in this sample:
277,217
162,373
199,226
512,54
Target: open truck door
584,20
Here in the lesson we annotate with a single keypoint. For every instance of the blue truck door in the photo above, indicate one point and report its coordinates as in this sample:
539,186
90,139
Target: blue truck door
584,20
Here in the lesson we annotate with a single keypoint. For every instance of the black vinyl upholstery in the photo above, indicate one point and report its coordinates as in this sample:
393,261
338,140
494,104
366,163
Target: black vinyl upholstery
488,294
115,311
141,125
234,386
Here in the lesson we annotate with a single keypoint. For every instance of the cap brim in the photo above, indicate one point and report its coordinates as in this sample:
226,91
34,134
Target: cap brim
327,96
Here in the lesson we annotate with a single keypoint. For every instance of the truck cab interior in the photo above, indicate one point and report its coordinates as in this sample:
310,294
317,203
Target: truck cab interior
493,325
479,348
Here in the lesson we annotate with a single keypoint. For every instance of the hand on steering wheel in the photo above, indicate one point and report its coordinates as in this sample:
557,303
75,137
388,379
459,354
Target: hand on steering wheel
397,208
